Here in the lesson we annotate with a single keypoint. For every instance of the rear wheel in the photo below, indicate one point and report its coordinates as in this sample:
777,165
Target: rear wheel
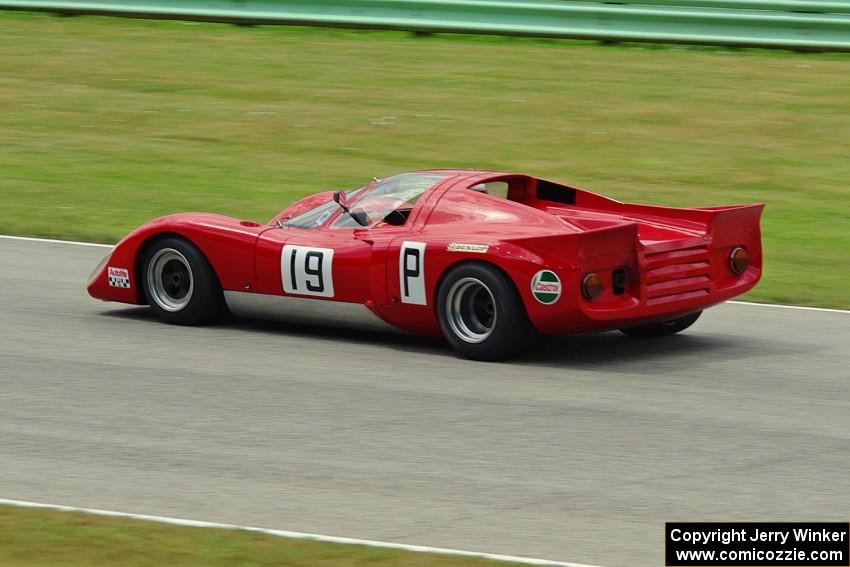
481,313
179,283
663,328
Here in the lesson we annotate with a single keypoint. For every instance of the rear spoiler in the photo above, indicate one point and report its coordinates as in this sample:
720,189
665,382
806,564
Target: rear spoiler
725,226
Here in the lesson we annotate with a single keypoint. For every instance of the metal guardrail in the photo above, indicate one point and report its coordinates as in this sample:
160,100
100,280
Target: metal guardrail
822,25
817,6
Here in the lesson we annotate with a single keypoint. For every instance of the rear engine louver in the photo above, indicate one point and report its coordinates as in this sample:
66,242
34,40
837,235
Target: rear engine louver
673,275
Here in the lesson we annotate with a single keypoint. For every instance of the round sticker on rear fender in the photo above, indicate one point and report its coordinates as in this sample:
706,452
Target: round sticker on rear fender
546,287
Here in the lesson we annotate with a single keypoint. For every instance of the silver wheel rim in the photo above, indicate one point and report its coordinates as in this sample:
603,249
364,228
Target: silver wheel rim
170,280
471,310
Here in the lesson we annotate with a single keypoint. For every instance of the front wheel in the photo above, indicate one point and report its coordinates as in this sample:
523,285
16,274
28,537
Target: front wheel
180,285
663,328
481,314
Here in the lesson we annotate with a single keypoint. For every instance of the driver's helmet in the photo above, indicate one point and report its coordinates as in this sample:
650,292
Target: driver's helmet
481,188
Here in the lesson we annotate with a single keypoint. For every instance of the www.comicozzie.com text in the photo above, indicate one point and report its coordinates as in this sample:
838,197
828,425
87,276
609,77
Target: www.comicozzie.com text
726,536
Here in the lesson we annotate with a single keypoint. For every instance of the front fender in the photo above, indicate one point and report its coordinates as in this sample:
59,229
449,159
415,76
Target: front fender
227,243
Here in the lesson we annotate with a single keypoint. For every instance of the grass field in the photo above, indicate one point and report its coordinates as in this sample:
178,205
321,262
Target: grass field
107,123
34,538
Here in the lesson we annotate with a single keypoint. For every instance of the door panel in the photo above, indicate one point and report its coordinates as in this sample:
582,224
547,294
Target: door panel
315,263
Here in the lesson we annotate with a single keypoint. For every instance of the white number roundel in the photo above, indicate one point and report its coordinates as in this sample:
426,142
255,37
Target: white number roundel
307,271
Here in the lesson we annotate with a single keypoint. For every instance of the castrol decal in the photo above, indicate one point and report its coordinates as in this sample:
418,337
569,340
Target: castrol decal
546,287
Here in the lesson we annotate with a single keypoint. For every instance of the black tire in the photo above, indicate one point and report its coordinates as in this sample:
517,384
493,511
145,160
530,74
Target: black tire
481,314
663,328
179,283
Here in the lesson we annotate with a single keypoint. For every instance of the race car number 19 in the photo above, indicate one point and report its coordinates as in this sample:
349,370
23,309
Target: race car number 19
307,271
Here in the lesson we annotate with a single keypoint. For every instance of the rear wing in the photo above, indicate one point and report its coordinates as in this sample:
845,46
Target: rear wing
582,199
673,229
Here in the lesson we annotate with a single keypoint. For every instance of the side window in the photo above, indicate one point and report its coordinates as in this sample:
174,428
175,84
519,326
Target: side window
389,202
374,212
495,188
512,189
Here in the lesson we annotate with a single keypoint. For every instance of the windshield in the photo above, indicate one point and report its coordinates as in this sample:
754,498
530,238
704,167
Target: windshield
318,215
389,202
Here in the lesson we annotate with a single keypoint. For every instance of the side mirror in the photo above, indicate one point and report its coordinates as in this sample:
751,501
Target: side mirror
359,217
341,200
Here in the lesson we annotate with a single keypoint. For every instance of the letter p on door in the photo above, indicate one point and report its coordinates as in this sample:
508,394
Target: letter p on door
411,273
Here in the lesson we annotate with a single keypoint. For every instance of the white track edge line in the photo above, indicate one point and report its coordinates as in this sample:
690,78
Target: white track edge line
54,241
781,306
291,534
752,303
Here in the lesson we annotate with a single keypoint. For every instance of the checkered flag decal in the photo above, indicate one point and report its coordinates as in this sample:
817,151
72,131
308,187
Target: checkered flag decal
118,277
116,281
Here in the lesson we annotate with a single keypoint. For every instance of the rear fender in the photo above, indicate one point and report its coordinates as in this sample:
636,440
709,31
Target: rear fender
728,228
567,255
570,257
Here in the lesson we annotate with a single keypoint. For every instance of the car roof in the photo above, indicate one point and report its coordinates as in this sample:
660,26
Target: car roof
464,172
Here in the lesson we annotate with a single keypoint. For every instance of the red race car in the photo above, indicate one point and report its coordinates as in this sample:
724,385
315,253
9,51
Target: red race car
485,258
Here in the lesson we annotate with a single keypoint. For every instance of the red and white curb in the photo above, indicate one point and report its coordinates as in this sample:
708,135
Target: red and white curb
292,535
749,303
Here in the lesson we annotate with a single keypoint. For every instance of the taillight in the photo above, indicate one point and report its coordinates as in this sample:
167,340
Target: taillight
739,260
591,286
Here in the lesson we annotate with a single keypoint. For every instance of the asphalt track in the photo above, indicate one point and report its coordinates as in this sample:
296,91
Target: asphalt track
580,452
